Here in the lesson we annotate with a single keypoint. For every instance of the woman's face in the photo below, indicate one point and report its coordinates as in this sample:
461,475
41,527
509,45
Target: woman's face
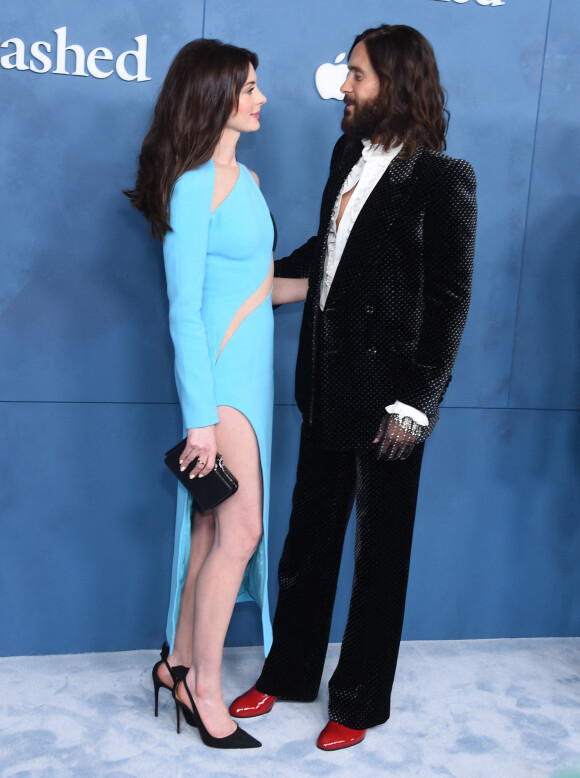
246,118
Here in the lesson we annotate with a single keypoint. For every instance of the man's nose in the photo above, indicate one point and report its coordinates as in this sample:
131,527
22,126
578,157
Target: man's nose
346,87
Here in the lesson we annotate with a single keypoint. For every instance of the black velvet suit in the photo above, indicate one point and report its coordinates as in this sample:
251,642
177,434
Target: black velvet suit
390,331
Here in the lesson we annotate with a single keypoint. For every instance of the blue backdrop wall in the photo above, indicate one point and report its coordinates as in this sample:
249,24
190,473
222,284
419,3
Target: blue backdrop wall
87,400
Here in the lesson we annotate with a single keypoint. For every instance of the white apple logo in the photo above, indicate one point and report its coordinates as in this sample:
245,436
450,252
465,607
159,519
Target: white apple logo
329,78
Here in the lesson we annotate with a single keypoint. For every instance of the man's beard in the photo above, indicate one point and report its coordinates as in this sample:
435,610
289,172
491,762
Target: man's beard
362,122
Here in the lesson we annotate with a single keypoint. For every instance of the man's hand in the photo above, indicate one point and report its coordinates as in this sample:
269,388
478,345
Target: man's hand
396,437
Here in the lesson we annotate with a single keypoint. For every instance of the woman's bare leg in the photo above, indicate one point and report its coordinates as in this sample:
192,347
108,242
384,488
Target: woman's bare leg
202,536
238,531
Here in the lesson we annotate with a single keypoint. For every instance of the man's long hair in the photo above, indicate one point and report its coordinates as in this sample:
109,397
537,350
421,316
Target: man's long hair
200,91
411,101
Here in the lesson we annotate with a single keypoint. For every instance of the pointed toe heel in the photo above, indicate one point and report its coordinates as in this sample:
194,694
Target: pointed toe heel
238,739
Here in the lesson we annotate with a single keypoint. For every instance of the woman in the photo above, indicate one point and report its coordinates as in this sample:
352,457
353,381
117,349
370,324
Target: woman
217,243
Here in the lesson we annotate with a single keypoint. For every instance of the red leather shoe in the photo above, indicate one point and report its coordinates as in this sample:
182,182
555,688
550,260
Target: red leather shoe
252,703
335,736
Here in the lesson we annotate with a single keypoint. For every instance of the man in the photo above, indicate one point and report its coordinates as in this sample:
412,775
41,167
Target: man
389,285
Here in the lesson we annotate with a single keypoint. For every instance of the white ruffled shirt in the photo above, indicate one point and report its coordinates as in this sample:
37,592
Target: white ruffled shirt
365,175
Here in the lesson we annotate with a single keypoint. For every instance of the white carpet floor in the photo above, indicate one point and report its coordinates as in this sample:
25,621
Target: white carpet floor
467,709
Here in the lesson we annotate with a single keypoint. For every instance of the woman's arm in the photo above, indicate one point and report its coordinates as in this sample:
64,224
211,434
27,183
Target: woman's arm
184,251
289,290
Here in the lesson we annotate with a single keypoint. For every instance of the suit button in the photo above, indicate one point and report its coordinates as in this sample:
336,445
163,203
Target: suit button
372,351
369,309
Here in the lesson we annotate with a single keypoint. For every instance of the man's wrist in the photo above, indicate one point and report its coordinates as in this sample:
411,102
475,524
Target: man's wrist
403,410
407,424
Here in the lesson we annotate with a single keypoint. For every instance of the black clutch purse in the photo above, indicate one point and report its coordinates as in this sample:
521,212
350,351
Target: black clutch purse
213,488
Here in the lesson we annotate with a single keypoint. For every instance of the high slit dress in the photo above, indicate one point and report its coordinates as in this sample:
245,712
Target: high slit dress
219,281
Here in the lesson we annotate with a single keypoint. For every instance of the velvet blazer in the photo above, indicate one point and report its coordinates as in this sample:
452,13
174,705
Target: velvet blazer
398,303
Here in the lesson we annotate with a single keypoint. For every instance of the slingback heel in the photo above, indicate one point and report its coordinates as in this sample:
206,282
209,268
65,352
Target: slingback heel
177,673
238,739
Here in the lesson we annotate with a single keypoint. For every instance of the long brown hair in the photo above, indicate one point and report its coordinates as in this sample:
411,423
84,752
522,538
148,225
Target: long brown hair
411,98
201,89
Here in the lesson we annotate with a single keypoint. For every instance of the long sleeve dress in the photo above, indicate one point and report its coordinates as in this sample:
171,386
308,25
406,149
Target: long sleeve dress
219,272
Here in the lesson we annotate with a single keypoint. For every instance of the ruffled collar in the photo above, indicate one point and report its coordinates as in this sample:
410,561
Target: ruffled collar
375,151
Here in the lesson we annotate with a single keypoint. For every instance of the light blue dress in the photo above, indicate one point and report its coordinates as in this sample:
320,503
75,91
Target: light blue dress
219,280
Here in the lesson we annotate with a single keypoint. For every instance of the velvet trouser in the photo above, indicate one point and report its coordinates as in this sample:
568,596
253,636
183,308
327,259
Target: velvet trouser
386,497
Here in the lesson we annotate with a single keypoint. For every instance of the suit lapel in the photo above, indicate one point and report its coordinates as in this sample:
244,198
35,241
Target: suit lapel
382,208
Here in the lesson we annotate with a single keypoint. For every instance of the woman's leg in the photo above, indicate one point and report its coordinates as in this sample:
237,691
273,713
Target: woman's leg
202,536
238,529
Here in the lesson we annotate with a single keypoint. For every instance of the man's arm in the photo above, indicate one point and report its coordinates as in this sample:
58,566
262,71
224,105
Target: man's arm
449,241
299,263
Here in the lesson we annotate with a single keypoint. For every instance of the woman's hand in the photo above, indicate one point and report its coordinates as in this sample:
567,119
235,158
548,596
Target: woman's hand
201,443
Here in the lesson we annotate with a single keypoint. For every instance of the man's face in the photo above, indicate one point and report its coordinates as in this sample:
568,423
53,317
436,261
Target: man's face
361,90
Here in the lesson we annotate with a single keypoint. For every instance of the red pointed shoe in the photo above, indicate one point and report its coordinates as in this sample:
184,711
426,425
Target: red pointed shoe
335,736
252,703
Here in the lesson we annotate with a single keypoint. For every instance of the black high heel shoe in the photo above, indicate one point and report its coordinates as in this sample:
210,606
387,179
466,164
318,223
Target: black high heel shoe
238,739
177,673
